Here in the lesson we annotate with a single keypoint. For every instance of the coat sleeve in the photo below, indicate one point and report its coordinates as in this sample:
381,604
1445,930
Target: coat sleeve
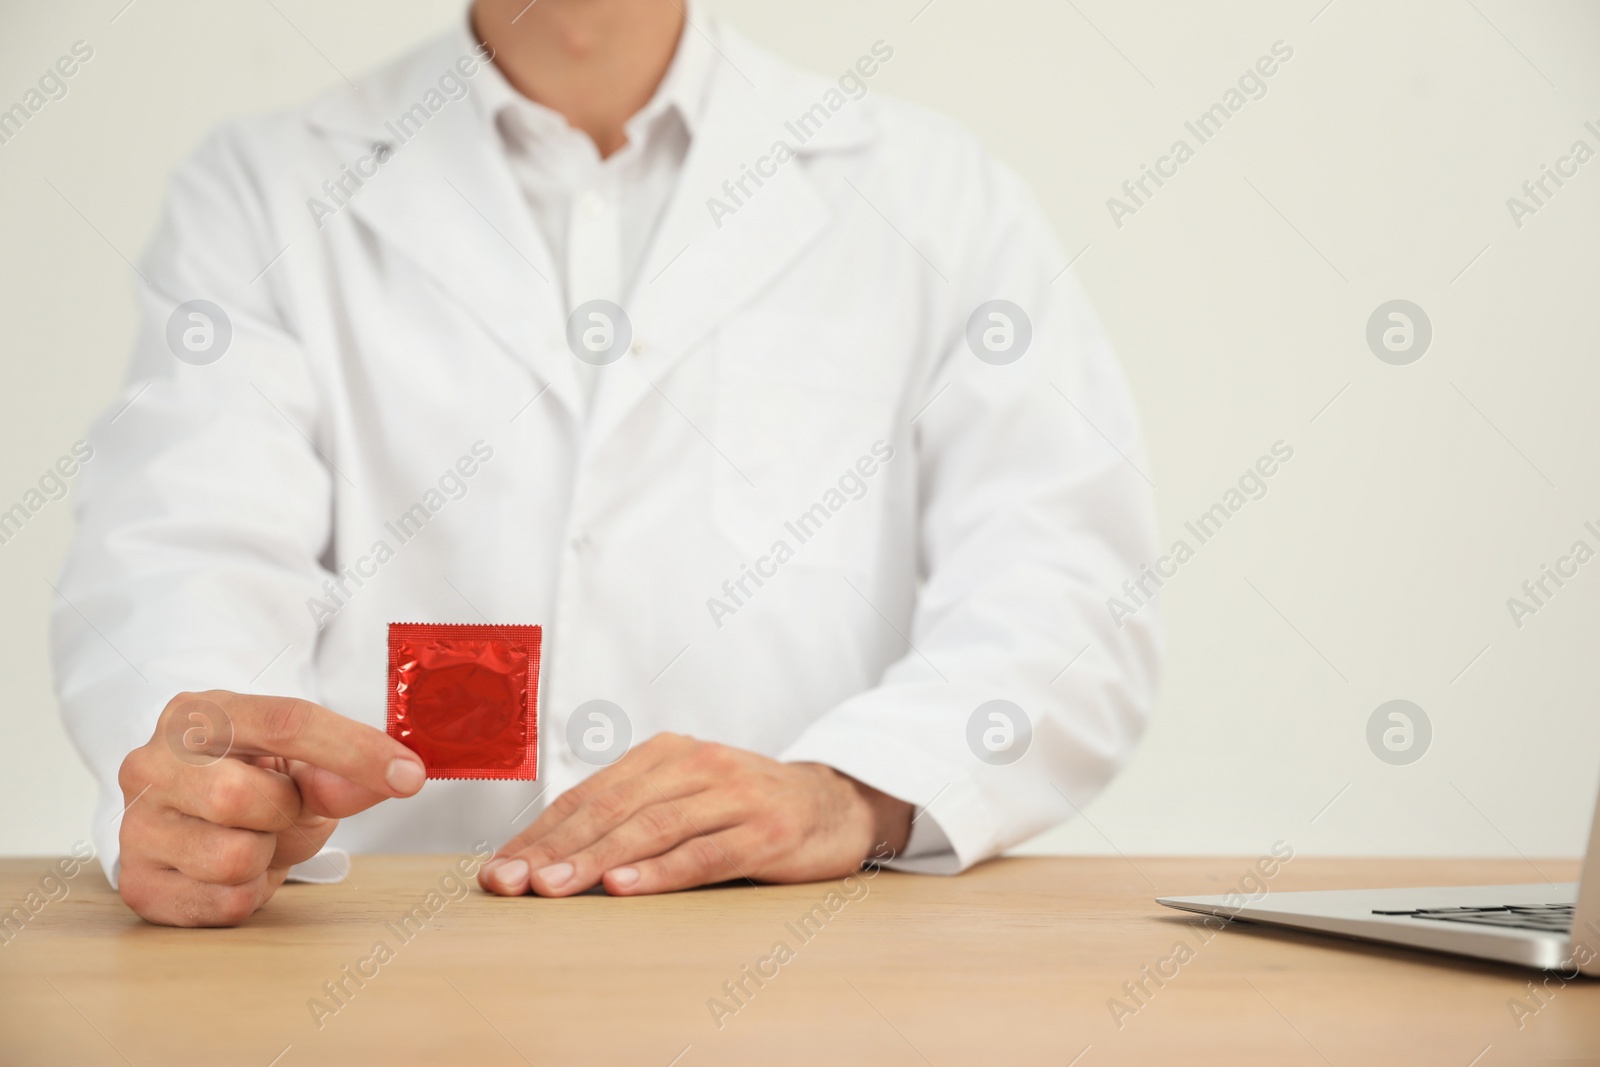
205,507
1035,508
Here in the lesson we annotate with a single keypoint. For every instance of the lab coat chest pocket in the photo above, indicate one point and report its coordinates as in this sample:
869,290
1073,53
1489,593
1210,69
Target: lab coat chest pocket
804,418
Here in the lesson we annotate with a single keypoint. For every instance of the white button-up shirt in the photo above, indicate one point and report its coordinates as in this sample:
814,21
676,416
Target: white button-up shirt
834,504
597,216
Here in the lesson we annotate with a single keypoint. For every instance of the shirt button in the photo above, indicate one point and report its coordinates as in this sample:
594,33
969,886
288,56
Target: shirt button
639,348
581,543
590,202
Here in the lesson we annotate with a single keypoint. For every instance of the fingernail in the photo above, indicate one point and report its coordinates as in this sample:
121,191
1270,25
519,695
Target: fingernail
623,877
511,875
556,875
405,776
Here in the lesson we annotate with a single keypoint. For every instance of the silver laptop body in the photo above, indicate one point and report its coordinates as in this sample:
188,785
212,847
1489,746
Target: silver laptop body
1552,927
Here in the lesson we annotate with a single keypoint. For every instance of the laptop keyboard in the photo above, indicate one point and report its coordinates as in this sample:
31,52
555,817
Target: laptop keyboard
1546,918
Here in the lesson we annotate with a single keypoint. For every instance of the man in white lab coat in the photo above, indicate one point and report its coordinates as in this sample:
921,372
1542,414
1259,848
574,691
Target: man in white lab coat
768,397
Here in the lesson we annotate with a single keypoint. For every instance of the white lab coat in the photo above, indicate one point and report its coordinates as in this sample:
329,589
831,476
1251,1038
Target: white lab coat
378,353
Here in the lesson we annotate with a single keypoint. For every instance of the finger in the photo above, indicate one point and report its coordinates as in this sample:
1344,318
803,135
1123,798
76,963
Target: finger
302,836
330,795
302,841
232,793
653,830
701,860
300,730
668,767
605,811
648,756
165,896
518,861
203,851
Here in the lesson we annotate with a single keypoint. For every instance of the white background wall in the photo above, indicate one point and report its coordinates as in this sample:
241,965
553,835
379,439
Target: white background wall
1376,167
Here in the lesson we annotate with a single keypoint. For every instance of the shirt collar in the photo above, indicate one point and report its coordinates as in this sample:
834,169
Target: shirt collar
682,89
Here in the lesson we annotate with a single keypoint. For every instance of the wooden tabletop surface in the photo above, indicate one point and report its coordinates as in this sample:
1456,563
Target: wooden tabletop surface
1019,961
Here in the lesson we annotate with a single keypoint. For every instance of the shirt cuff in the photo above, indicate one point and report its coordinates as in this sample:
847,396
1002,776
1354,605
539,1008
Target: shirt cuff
325,868
928,849
964,832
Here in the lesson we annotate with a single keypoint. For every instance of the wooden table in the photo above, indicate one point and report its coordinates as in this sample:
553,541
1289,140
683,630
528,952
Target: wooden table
1015,962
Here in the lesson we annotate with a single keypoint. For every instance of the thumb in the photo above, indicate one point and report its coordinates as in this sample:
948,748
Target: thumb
330,795
301,841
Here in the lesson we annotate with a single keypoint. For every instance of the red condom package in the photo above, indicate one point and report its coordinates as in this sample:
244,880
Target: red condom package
466,698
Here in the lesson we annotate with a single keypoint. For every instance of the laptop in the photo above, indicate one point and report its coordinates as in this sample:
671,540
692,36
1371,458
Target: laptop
1548,926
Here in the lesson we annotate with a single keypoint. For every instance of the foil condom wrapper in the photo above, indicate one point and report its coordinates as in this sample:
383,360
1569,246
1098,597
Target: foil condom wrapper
466,698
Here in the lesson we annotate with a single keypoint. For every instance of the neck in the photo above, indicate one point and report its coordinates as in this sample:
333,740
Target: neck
595,62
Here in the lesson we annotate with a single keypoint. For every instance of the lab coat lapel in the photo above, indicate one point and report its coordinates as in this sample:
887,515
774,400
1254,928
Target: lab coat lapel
698,273
448,202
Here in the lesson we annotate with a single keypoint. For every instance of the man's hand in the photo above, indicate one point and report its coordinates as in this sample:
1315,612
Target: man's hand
233,790
676,813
